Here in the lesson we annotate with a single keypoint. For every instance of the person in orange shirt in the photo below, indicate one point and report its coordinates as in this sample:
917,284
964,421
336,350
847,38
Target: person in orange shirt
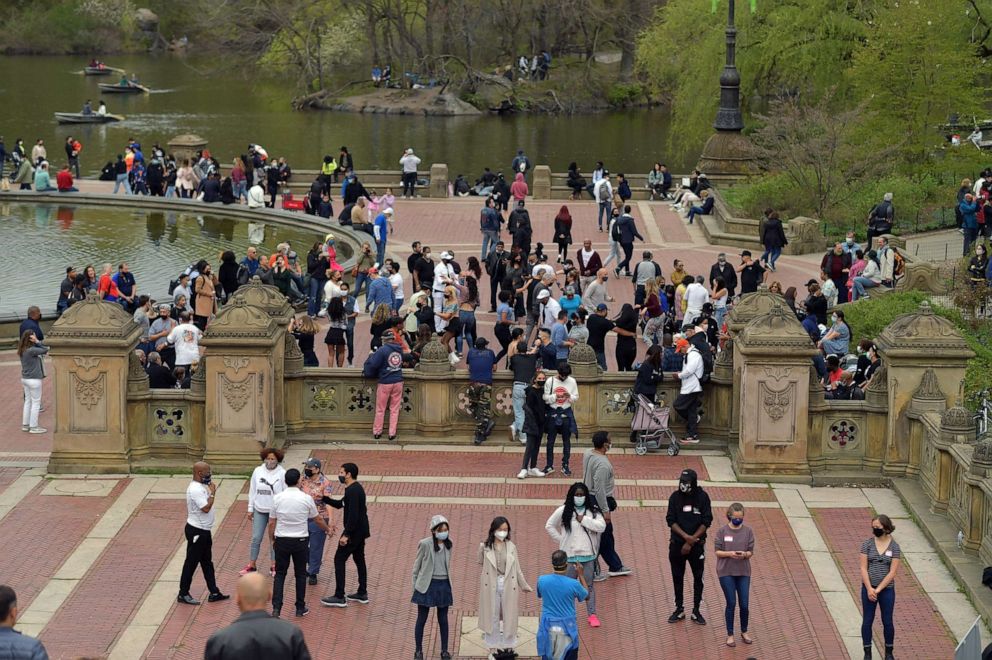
64,180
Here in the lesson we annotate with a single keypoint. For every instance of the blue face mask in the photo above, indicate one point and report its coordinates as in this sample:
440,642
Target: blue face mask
736,522
441,536
205,480
579,501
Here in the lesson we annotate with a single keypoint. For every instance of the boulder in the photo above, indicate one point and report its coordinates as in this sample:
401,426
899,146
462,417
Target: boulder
146,19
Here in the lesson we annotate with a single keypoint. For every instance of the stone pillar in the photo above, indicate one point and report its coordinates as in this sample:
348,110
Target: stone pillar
542,183
92,343
186,146
272,302
243,344
917,345
437,403
439,181
586,371
775,353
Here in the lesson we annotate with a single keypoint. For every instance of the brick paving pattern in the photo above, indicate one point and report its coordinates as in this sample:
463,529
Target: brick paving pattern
104,601
12,439
789,618
8,476
41,532
920,631
486,464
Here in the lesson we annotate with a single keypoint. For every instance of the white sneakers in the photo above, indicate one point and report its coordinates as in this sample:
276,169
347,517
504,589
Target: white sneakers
37,430
523,474
535,472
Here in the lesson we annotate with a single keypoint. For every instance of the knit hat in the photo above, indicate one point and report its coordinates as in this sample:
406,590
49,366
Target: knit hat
436,521
681,344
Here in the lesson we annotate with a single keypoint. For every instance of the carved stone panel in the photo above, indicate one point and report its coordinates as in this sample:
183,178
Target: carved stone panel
89,402
238,401
321,399
843,436
168,424
776,412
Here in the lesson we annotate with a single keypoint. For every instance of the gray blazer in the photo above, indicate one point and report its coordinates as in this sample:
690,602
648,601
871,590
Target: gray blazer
423,567
32,362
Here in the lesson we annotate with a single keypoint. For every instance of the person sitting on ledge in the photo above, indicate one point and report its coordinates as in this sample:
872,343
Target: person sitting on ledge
705,209
64,180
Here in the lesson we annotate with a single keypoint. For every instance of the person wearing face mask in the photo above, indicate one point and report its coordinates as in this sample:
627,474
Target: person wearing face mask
535,418
352,541
597,473
267,480
734,546
317,486
722,269
879,559
204,296
199,544
500,585
577,526
560,393
689,516
432,584
838,337
978,266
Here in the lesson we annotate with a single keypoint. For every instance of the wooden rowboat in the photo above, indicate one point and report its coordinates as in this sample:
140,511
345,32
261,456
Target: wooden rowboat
131,88
80,118
98,70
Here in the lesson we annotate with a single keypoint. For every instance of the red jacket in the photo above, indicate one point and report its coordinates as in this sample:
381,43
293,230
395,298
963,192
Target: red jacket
63,180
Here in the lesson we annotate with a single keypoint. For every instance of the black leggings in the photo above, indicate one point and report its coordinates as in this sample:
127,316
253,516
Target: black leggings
442,624
531,451
502,331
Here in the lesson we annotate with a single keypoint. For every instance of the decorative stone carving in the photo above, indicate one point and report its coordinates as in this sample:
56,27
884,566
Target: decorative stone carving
844,434
582,359
879,382
137,377
268,297
360,399
93,318
804,236
237,393
294,356
958,419
169,424
86,362
776,402
983,451
928,396
322,398
89,392
752,305
922,331
777,329
615,401
198,383
242,321
434,358
235,364
921,276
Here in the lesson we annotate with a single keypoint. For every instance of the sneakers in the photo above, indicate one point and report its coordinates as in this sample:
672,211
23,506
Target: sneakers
311,579
513,433
534,472
302,611
677,616
697,618
523,474
566,471
357,597
247,569
548,470
333,601
25,428
690,440
594,621
275,612
522,437
601,577
37,429
623,570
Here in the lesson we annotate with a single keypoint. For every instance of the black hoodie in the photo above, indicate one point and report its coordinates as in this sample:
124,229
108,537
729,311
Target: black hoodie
689,510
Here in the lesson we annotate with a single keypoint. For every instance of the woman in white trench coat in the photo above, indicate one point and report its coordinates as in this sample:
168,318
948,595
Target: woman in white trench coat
500,586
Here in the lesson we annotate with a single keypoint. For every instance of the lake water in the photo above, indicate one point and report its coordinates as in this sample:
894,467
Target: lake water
230,109
157,245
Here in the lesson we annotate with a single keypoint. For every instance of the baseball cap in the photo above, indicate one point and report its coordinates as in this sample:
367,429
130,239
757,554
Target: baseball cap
746,253
544,294
373,271
445,255
601,307
312,463
389,211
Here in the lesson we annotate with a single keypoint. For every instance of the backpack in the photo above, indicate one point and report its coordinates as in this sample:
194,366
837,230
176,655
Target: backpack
243,275
172,286
898,264
708,362
615,231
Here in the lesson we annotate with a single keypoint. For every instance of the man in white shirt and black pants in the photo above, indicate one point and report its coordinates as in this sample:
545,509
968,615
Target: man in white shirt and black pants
687,402
199,544
291,510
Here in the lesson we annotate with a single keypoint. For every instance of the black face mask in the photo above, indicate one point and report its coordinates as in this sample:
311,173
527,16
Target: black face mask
309,473
340,478
877,531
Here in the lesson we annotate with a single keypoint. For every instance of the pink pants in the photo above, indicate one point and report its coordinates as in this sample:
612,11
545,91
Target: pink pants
391,395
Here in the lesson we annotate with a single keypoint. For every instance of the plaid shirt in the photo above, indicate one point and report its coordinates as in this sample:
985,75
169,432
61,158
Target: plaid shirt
317,488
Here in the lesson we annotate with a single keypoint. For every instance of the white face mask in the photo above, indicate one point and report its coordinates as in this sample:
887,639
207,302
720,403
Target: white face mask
501,535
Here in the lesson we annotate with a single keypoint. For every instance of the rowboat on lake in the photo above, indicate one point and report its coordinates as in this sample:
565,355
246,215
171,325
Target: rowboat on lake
80,118
130,88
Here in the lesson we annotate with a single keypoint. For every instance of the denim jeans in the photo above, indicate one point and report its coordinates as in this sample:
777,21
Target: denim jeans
489,240
468,329
607,208
259,522
860,284
170,191
887,602
360,281
316,293
241,190
614,254
772,255
317,538
735,589
566,439
519,395
380,251
601,359
121,180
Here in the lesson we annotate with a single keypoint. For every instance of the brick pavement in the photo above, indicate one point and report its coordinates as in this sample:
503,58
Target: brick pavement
11,406
40,533
8,476
115,585
920,630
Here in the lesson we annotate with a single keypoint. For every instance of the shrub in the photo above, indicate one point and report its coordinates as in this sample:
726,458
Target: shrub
624,94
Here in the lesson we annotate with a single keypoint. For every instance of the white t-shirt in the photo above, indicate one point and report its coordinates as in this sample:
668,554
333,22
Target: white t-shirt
197,496
181,290
695,297
292,508
443,273
540,270
396,281
185,337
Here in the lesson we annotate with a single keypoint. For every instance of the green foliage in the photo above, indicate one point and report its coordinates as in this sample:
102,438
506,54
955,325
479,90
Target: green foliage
624,94
868,317
56,28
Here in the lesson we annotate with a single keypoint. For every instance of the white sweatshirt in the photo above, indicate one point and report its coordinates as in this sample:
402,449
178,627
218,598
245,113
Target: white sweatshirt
265,484
576,542
560,393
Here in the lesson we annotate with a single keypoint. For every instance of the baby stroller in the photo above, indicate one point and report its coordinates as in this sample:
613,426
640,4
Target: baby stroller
650,426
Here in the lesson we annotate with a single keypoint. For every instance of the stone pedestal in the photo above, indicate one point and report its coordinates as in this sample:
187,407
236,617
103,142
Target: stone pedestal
242,343
437,401
439,181
92,343
924,355
586,371
186,146
542,183
727,154
775,354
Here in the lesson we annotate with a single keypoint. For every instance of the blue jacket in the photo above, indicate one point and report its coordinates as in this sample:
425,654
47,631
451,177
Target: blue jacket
969,212
385,365
15,646
383,225
489,221
31,324
628,230
380,292
480,365
708,205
